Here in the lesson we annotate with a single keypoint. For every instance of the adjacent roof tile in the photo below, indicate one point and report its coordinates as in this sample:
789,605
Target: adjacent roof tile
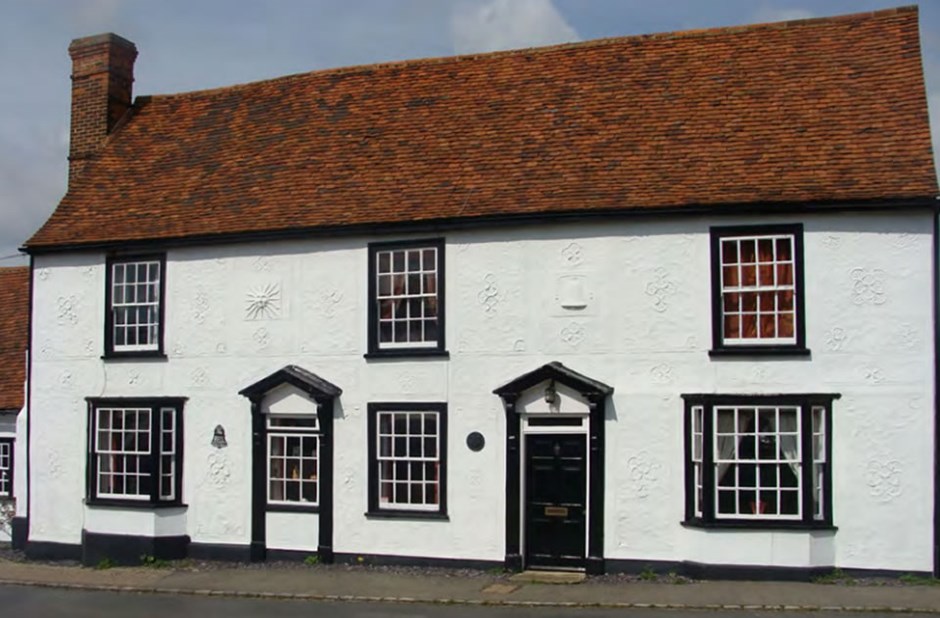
816,110
14,329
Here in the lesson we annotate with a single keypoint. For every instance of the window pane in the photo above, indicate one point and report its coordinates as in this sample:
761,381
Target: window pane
408,474
764,278
757,461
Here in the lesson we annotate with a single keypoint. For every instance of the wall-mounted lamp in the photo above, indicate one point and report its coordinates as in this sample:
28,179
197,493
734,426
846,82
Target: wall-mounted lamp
218,437
551,395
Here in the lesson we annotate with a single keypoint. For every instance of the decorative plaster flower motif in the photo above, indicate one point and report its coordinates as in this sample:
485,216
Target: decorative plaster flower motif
659,288
329,300
835,339
573,334
868,286
573,254
263,302
661,374
884,479
644,473
262,337
200,306
67,310
489,295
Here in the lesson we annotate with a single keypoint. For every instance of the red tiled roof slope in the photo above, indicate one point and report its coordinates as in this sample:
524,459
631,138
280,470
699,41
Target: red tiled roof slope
817,110
14,328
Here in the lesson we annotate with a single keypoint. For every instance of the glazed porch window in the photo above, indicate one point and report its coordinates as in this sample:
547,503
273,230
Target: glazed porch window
293,464
407,297
758,289
409,460
6,468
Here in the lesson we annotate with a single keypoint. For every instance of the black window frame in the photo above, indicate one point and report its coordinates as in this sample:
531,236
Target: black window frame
11,442
437,348
109,351
719,347
806,402
374,508
156,404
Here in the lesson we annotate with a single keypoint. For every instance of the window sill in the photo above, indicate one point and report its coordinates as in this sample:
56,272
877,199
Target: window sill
756,524
144,505
141,355
422,515
759,350
407,353
292,508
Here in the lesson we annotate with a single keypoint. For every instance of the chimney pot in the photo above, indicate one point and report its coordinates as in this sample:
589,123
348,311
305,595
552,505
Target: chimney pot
102,82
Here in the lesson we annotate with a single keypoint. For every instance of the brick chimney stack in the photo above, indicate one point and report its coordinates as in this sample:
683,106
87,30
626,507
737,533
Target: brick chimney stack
102,79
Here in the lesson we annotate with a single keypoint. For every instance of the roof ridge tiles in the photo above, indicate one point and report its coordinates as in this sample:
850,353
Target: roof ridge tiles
544,49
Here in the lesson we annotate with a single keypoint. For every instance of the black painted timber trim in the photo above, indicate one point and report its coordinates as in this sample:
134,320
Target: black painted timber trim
19,532
324,393
415,561
439,226
109,351
374,508
742,572
47,550
436,349
259,463
29,405
220,551
719,347
131,550
597,394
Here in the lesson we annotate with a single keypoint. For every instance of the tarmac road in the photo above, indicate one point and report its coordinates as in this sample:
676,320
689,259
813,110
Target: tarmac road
29,602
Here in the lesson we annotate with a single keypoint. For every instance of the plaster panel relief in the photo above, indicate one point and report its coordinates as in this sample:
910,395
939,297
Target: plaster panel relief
67,310
218,469
907,336
836,339
329,301
199,377
873,375
44,274
572,293
884,479
573,255
661,374
573,334
660,288
643,472
199,306
489,296
263,301
868,286
261,337
261,264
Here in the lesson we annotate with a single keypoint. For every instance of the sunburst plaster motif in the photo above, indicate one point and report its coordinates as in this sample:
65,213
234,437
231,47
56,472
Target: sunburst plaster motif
263,302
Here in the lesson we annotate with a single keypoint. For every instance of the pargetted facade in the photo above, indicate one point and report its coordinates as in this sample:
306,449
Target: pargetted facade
663,300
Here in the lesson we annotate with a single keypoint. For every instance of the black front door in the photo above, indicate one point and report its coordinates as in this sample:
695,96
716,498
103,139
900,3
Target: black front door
555,505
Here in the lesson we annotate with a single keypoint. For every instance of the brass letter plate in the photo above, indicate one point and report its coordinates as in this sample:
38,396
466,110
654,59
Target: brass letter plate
556,511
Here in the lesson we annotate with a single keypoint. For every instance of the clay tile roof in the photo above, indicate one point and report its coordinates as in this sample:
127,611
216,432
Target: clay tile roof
822,110
14,328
